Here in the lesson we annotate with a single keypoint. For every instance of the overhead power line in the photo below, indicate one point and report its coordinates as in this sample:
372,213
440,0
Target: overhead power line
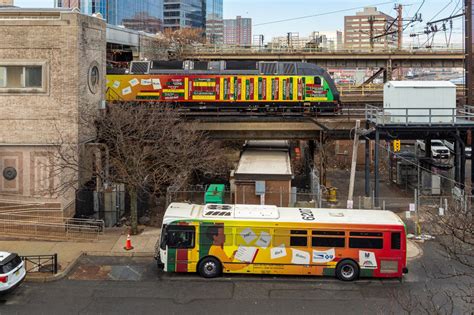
321,14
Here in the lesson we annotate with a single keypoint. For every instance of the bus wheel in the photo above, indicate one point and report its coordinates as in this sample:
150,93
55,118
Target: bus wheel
347,270
210,267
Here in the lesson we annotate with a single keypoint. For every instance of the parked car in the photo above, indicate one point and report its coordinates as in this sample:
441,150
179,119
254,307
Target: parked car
450,146
438,149
12,271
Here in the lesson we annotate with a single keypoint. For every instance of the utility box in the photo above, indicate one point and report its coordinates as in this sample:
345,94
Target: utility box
412,102
215,194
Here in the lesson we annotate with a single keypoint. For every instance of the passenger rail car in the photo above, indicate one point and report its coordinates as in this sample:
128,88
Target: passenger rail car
220,86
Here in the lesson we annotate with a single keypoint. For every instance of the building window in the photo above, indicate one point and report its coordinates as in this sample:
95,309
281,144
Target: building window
22,77
94,77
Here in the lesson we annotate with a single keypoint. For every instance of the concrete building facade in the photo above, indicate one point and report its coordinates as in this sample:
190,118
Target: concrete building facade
51,69
238,31
6,3
362,31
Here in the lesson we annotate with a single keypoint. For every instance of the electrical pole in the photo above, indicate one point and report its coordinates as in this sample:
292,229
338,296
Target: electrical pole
469,60
371,32
350,196
400,26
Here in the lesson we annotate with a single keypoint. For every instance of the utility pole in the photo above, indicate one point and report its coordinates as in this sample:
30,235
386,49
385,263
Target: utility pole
400,26
469,60
350,197
371,31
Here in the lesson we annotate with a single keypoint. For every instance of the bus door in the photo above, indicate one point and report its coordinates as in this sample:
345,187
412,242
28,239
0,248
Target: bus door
179,240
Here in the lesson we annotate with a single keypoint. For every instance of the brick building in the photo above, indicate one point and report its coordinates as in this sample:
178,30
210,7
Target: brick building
52,66
238,31
367,24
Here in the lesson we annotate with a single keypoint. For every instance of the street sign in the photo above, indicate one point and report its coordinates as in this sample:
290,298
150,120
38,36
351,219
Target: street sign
412,207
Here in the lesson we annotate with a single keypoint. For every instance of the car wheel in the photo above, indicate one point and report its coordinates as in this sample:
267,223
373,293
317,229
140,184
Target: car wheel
210,267
347,270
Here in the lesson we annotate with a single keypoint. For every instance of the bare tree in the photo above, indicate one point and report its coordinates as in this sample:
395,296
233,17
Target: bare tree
176,41
147,149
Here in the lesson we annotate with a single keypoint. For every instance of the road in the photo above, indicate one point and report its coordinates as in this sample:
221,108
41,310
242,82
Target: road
114,285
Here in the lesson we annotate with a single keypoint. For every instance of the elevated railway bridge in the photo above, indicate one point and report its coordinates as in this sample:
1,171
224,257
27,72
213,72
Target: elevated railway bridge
380,125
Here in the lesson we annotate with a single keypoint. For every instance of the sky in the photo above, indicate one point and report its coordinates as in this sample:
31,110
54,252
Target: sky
322,17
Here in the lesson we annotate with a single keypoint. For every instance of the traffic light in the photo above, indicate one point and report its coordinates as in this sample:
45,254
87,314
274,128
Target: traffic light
396,145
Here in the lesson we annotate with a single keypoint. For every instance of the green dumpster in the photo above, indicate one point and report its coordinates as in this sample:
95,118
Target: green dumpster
215,194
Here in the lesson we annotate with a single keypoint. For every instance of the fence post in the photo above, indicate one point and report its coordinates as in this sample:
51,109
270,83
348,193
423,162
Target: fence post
55,263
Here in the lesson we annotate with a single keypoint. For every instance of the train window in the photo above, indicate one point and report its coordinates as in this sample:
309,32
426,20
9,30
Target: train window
317,81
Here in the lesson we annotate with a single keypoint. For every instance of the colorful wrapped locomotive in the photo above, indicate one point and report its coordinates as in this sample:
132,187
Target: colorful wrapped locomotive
273,86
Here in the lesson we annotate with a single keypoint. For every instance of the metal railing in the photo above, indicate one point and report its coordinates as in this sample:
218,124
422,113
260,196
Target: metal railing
50,227
420,116
41,263
235,49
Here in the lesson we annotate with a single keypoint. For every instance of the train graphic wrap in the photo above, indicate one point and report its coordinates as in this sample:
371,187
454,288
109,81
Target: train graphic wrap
214,88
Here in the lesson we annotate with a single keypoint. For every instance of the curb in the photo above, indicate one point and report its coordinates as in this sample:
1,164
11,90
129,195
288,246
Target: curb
60,275
420,251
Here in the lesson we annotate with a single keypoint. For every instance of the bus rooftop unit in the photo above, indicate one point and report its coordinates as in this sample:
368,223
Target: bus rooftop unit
231,86
212,239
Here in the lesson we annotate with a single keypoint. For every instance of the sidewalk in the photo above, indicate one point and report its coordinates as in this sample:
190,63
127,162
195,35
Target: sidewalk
109,244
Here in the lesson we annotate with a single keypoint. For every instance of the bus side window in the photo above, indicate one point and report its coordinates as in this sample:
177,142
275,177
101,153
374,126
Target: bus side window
299,238
317,81
396,240
328,239
366,240
180,236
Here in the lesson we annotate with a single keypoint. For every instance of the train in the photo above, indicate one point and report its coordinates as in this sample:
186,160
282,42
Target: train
226,86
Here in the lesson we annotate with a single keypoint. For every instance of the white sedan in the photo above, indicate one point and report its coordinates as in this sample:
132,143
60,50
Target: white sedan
12,271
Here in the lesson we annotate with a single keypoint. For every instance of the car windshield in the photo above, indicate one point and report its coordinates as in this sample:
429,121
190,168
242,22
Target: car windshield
437,143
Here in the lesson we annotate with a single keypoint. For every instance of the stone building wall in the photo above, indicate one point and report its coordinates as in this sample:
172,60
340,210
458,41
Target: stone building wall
34,122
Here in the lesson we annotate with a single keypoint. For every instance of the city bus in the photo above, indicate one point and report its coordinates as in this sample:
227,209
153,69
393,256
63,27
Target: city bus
262,239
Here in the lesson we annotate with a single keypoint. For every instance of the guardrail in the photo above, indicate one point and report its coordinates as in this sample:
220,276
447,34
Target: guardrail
41,263
420,116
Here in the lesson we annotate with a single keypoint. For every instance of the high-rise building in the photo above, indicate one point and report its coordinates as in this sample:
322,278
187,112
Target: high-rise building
141,15
214,21
238,31
88,7
184,13
363,31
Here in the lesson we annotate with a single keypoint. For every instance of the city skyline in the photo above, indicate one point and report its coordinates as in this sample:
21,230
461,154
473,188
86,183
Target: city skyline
305,16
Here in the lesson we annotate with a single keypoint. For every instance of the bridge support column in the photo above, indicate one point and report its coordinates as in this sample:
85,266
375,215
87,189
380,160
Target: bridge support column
472,171
376,167
457,160
367,164
387,73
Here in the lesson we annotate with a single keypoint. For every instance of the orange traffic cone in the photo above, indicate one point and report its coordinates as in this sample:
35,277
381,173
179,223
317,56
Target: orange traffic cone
128,243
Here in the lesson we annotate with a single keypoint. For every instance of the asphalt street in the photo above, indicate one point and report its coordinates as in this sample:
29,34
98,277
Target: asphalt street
118,285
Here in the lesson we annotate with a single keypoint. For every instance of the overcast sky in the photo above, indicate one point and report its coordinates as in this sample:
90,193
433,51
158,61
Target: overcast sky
321,15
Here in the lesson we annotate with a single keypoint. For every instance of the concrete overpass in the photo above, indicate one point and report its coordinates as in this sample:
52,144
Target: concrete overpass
277,128
339,59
